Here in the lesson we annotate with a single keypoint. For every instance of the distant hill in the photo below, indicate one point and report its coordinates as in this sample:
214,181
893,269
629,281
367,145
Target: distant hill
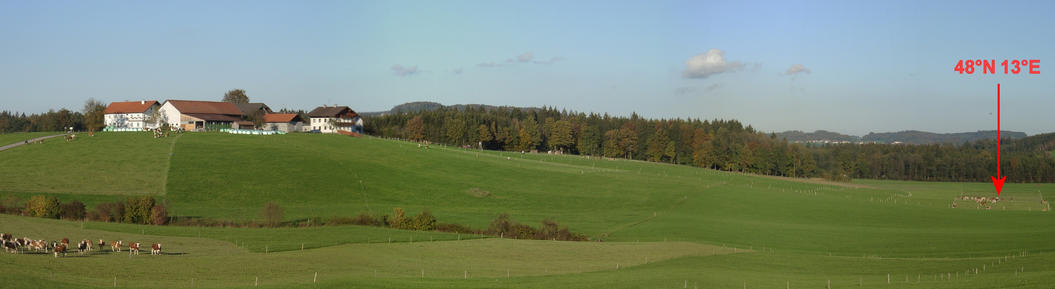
922,137
908,137
816,136
417,106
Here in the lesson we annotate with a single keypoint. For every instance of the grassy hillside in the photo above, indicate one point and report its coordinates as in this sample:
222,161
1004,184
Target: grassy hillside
685,221
106,164
10,138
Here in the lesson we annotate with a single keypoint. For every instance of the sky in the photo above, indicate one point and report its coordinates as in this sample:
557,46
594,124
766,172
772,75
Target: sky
848,66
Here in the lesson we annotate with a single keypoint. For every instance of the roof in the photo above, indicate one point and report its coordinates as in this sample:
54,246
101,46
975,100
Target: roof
281,117
213,117
249,108
129,106
331,111
205,107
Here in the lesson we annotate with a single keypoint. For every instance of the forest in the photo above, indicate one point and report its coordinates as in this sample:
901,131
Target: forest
718,144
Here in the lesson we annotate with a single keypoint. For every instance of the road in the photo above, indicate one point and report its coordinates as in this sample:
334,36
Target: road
14,145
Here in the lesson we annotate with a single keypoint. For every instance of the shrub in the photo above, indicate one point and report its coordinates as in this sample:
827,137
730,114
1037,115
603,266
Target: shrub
399,219
43,206
159,214
137,210
108,212
72,211
424,221
272,214
454,228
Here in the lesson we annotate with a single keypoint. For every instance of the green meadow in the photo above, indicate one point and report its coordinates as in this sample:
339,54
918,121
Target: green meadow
662,225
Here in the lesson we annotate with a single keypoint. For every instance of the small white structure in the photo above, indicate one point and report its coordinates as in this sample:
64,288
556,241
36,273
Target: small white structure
135,115
330,119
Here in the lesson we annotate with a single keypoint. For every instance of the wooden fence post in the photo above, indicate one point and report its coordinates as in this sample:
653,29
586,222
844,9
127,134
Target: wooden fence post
316,279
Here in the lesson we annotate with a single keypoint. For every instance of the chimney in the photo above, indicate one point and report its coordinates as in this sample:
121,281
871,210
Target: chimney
142,102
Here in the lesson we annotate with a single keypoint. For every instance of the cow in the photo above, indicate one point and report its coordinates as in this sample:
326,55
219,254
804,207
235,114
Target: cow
133,248
9,246
102,244
115,246
155,249
60,249
82,247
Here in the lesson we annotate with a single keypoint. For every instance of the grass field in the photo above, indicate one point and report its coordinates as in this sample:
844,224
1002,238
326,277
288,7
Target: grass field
663,225
10,138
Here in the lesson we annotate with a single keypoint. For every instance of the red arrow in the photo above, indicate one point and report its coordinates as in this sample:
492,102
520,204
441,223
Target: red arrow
998,181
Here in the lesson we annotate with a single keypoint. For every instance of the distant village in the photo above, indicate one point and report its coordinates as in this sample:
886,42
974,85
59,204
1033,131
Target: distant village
244,118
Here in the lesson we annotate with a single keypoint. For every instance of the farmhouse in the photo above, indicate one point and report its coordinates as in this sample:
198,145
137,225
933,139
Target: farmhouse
331,119
287,122
131,114
201,115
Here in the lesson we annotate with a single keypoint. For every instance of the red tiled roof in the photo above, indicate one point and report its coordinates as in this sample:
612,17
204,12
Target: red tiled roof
129,106
205,107
281,117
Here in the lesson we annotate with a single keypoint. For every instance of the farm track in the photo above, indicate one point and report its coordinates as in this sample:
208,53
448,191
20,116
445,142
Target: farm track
168,165
17,144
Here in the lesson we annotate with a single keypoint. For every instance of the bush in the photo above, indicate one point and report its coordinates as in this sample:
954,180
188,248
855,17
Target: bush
108,212
137,210
398,220
159,214
72,211
272,214
424,221
42,206
454,228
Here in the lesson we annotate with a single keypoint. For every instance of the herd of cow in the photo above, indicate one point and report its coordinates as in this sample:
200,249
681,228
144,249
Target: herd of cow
18,245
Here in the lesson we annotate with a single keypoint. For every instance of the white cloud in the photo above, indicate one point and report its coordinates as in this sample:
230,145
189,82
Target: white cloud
710,63
527,56
796,69
404,70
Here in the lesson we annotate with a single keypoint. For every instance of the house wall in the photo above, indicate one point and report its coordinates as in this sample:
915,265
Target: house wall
284,126
129,120
323,124
170,114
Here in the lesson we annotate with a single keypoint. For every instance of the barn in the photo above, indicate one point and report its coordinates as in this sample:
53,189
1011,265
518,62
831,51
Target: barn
286,122
131,115
193,115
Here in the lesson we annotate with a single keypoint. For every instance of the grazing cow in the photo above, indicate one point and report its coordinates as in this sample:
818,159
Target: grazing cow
155,249
66,241
133,248
5,237
115,246
82,247
9,246
102,244
61,248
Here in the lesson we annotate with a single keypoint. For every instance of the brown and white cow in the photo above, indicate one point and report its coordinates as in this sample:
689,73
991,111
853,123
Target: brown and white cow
155,249
116,246
60,249
102,244
133,248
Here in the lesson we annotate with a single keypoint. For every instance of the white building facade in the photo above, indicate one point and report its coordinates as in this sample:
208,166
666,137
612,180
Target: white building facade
131,114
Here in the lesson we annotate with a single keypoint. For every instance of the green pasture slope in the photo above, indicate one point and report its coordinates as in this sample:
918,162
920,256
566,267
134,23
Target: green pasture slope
662,225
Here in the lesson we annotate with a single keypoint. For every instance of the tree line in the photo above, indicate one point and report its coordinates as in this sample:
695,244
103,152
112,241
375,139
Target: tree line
89,118
718,144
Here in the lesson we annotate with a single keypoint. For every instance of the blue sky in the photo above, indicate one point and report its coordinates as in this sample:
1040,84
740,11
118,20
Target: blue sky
863,66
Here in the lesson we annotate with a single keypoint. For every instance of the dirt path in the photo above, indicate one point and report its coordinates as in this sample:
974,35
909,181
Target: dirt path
14,145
